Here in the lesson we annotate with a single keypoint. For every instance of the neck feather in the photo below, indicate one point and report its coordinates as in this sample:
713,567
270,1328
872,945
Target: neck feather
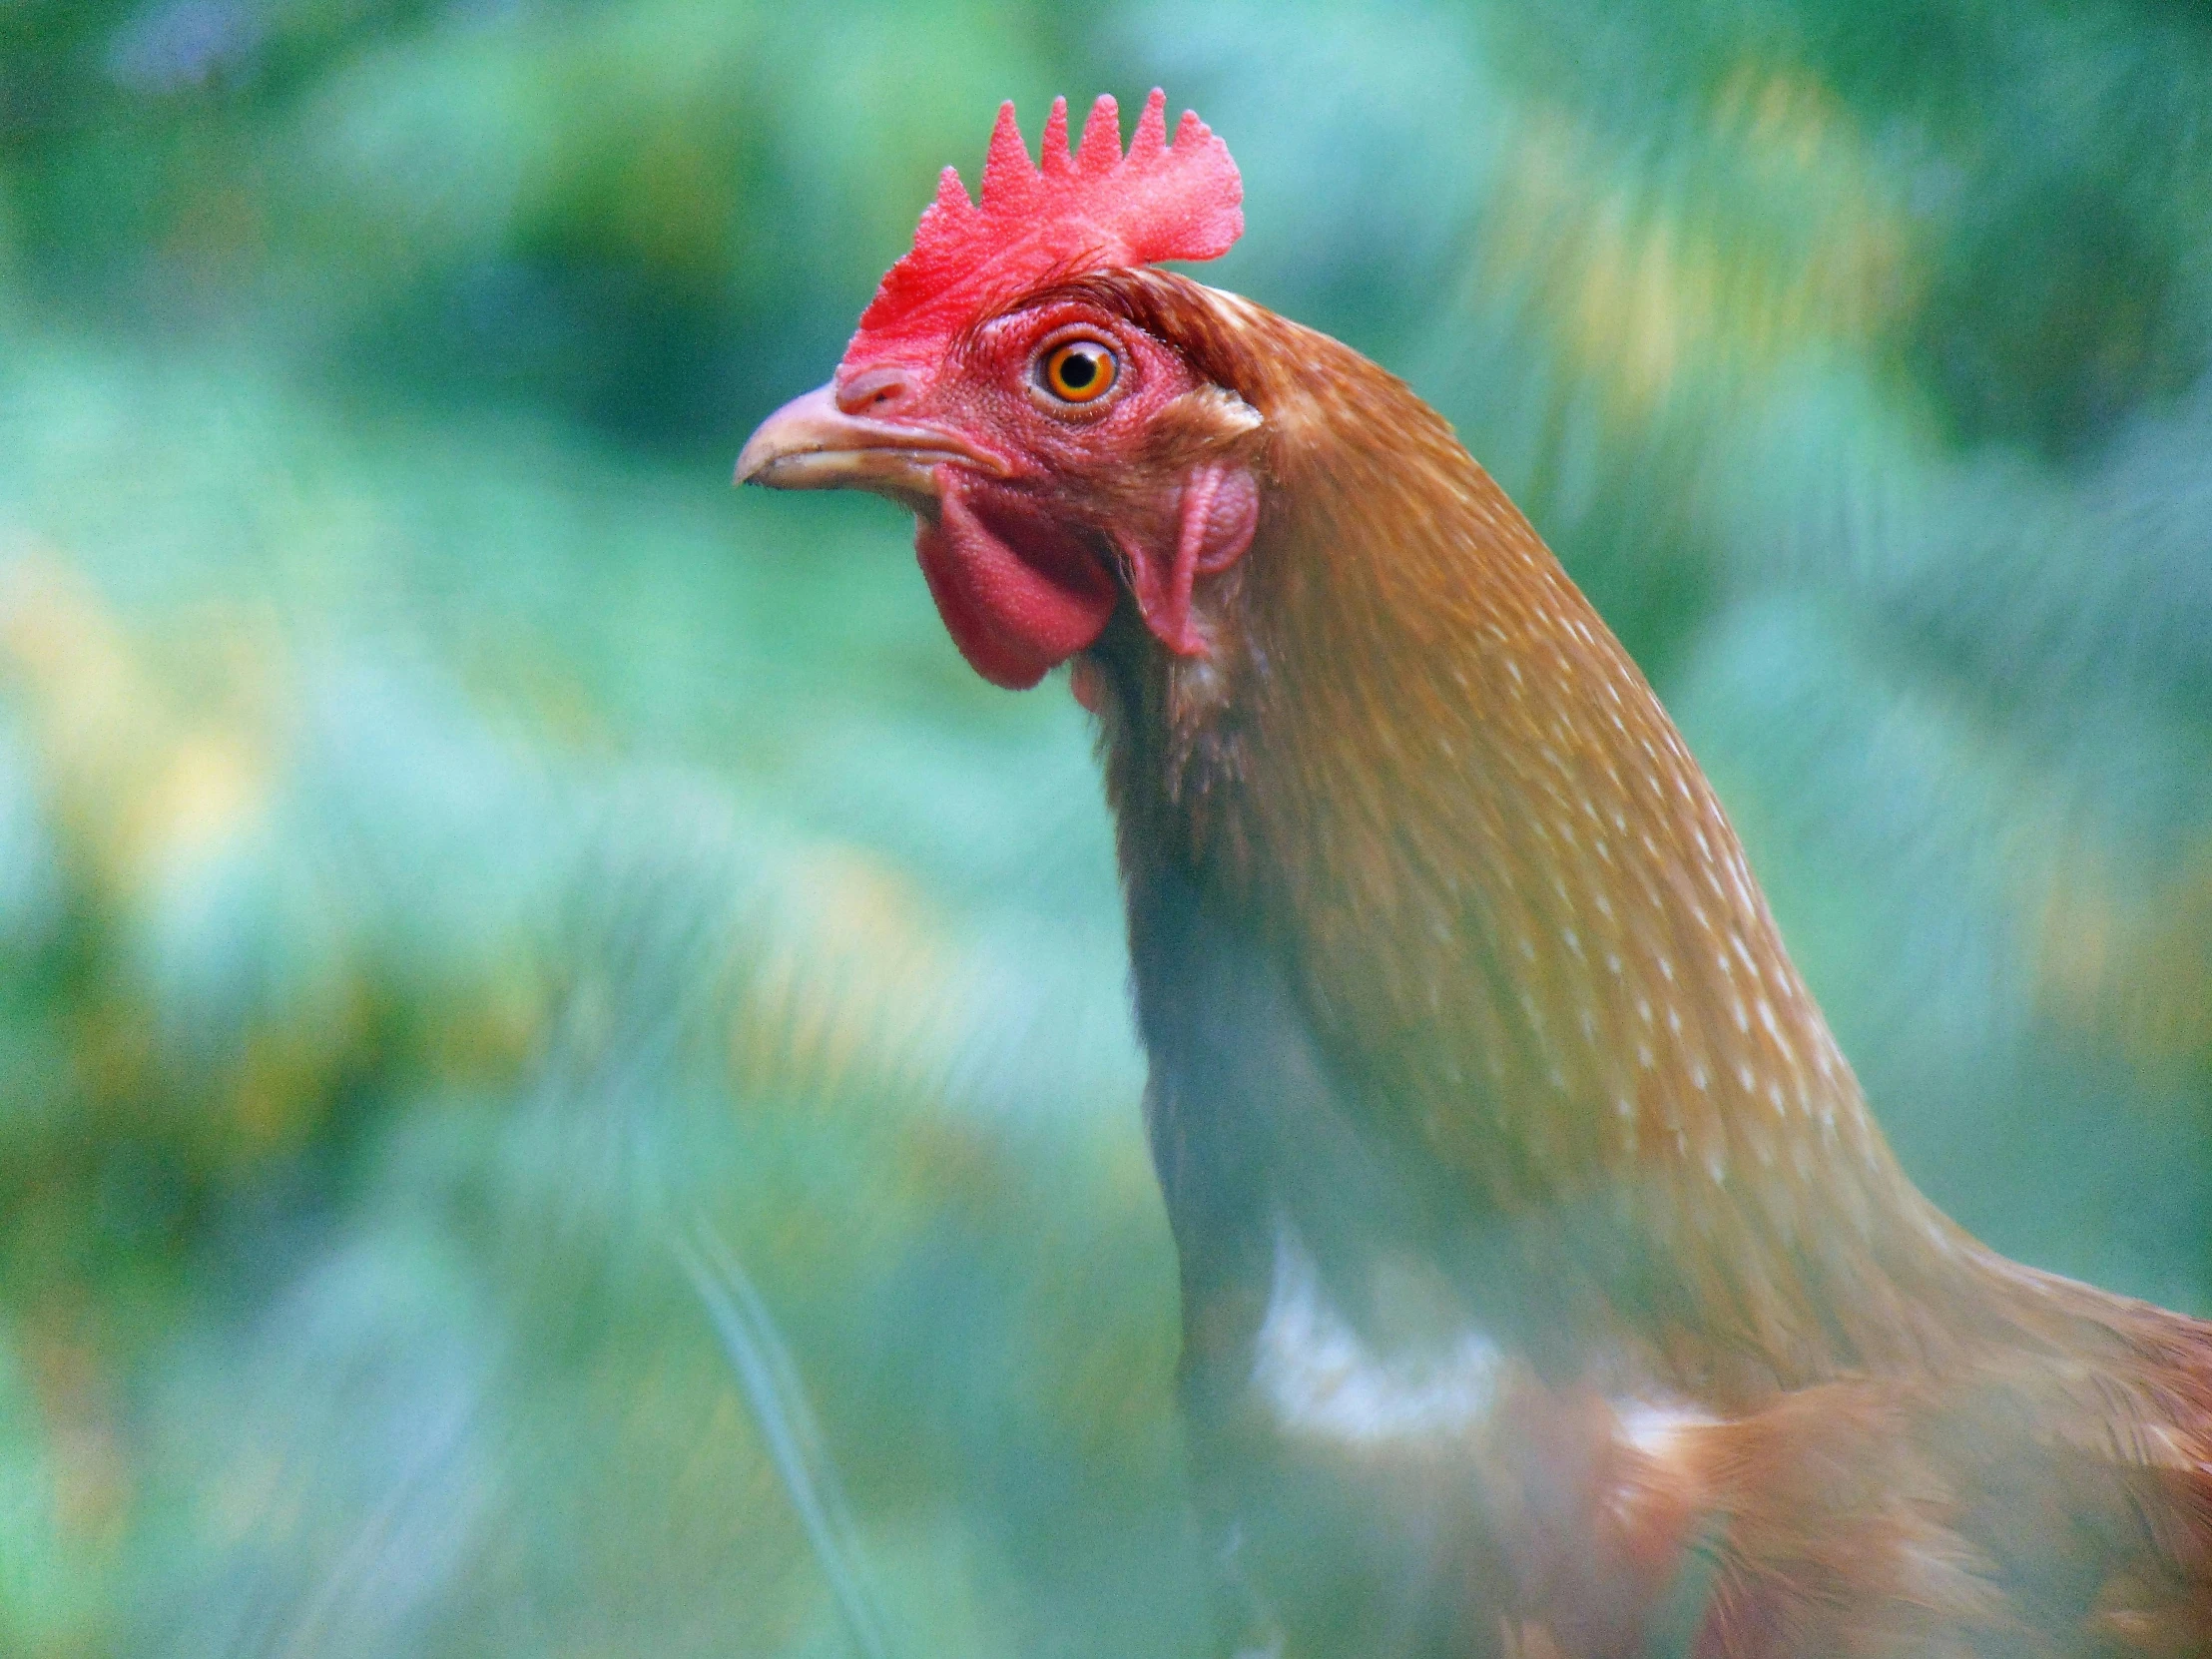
1424,774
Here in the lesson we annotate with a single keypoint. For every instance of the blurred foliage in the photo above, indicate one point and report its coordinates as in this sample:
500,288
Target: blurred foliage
453,853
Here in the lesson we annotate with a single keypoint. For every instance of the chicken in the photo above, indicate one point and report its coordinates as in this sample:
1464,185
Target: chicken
1546,1288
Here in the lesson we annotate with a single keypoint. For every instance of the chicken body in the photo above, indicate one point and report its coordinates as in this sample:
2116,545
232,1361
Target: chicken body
1546,1288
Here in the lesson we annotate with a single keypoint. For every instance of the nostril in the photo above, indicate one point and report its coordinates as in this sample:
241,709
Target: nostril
875,389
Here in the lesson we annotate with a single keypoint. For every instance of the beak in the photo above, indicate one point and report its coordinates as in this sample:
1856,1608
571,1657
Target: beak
811,444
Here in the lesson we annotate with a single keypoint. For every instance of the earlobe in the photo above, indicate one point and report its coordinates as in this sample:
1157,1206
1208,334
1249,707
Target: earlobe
1215,523
1210,418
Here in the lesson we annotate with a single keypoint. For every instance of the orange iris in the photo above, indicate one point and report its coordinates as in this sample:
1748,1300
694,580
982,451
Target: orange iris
1081,371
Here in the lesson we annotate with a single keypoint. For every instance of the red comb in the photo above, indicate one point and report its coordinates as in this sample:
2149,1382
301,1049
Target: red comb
1095,210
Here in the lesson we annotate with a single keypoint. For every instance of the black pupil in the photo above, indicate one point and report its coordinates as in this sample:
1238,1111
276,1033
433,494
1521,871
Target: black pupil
1078,368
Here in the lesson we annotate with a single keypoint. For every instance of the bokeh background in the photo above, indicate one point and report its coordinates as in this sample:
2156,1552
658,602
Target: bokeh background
565,1086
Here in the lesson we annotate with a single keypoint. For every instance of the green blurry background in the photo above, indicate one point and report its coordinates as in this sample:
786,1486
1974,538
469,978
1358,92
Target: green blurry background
458,861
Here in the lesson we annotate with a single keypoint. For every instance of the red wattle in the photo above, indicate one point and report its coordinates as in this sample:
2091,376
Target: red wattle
1018,594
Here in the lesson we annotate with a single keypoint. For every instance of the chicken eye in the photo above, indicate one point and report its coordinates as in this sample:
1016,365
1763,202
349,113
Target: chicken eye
1081,371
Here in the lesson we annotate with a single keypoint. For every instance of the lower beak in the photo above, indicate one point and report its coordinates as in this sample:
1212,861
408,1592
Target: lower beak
811,444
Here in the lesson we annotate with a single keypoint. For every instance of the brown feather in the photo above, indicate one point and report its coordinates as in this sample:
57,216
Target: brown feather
1513,912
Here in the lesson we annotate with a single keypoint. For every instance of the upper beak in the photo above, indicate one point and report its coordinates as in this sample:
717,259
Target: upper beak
811,444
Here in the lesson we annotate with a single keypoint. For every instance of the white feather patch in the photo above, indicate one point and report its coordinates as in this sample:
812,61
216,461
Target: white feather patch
1321,1380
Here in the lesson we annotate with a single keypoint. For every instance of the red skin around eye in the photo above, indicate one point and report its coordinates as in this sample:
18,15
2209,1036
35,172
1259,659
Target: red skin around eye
1027,567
